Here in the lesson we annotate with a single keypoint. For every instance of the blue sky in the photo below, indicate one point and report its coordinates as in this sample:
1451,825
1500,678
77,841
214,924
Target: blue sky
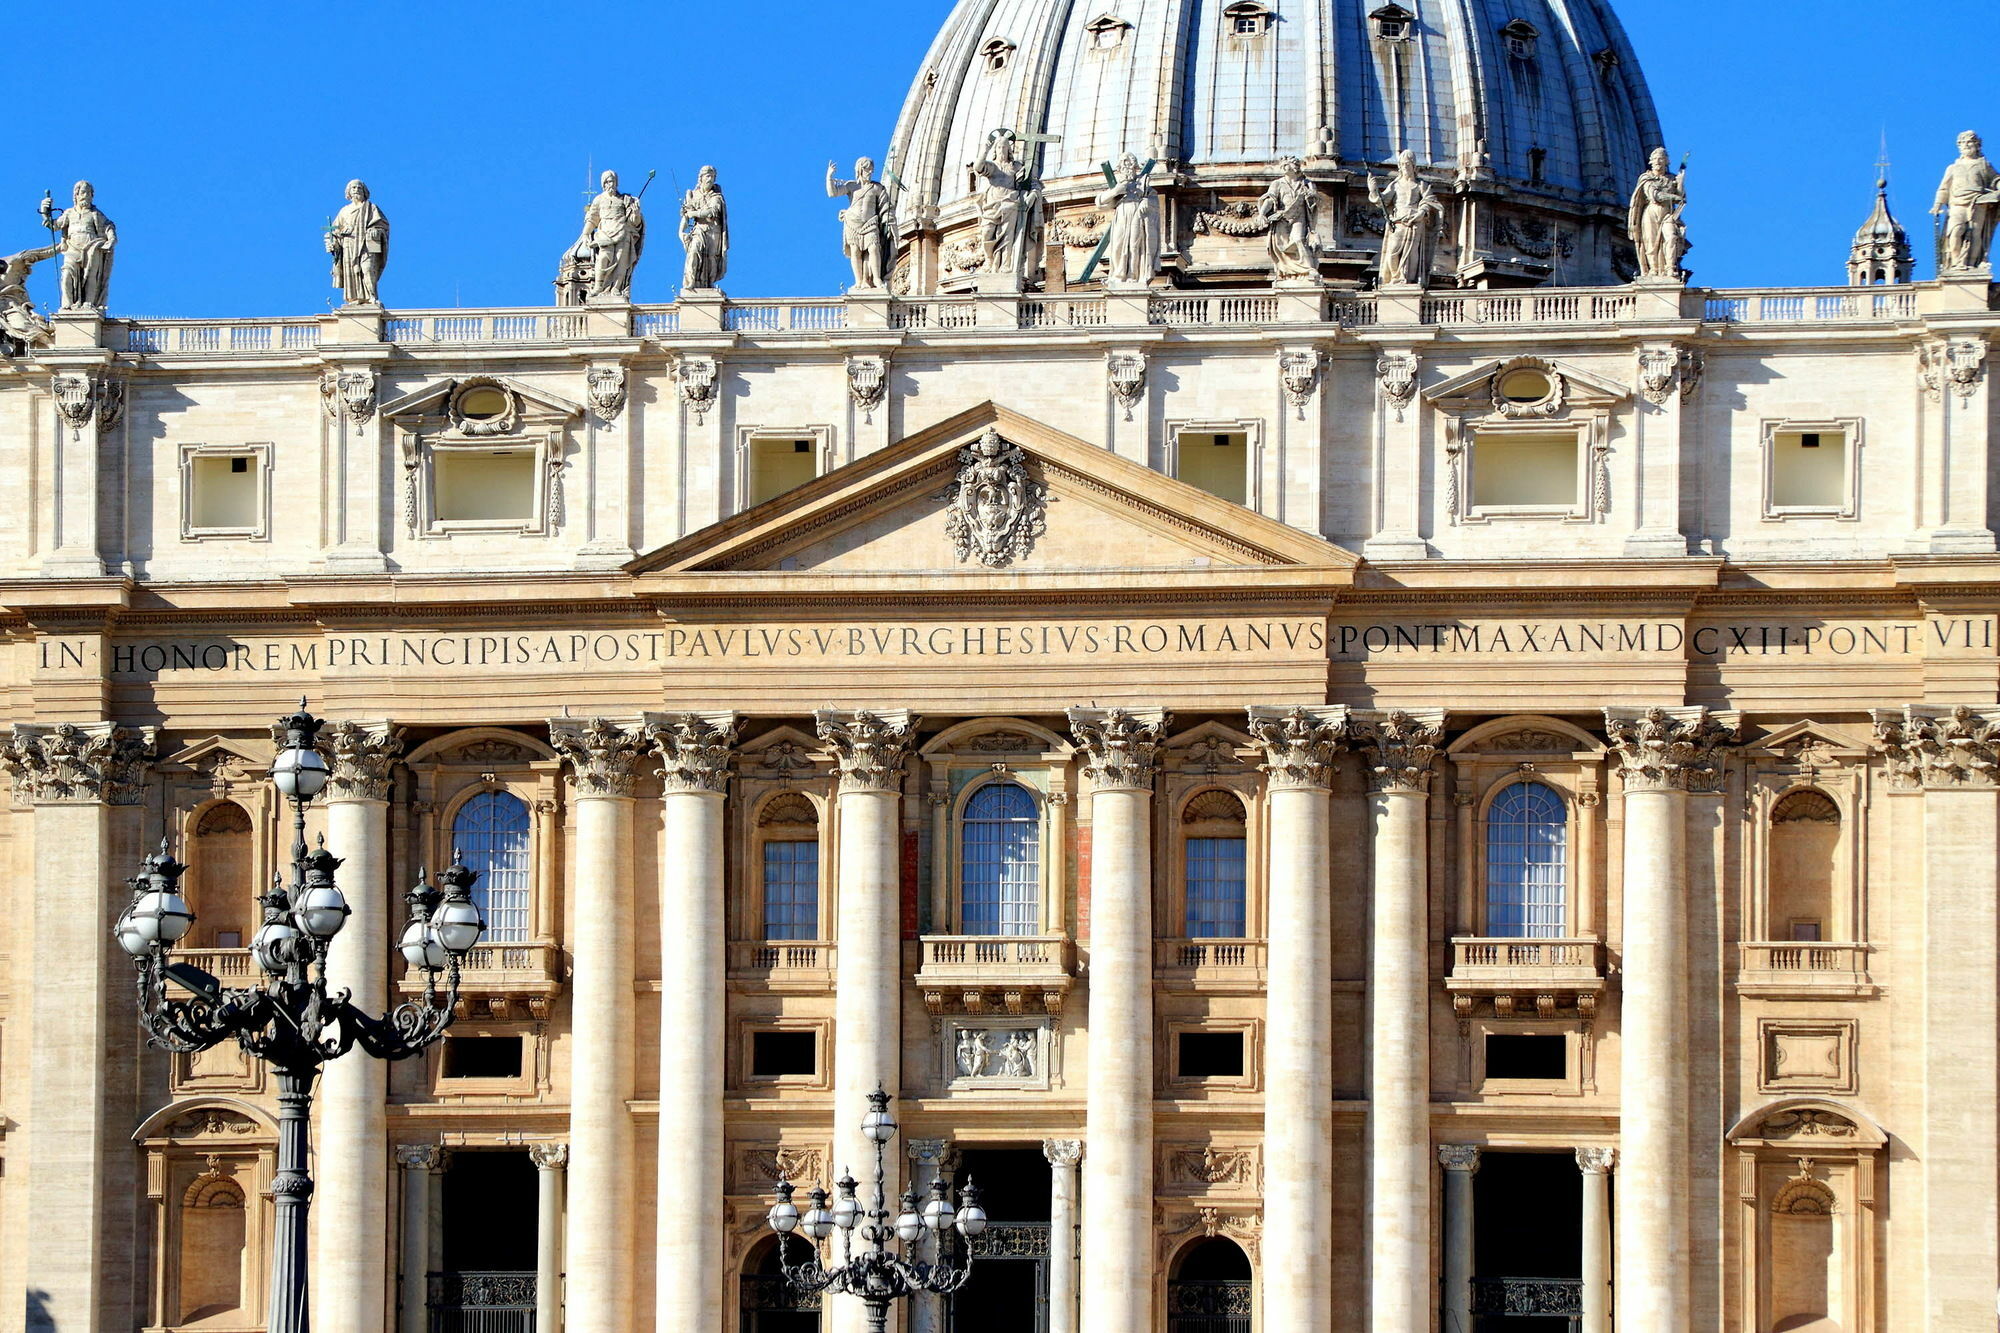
220,134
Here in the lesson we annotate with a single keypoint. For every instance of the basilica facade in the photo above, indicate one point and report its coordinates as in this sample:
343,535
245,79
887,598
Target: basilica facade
1340,802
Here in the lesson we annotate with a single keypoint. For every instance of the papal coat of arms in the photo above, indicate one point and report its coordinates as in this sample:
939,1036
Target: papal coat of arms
997,509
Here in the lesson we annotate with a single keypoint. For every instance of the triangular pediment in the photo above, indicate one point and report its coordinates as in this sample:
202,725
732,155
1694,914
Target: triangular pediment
221,751
435,400
1831,741
893,512
1570,387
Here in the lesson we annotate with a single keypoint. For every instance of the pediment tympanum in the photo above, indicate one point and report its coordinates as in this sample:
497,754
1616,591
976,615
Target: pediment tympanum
991,491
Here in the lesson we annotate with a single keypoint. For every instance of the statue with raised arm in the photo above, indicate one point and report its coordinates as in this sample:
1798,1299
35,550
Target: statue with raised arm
358,240
705,234
614,236
867,225
1413,220
1654,220
1132,243
1969,200
1291,208
84,239
1010,209
20,327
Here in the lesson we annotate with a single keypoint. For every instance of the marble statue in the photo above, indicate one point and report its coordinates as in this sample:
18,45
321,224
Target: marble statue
85,239
614,236
1010,210
1413,222
867,225
1291,208
1969,199
705,233
20,327
1132,244
1654,222
358,240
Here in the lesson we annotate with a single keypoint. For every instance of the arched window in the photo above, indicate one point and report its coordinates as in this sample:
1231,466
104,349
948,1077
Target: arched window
491,833
788,831
220,885
1214,886
1805,844
1210,1289
1000,890
1527,863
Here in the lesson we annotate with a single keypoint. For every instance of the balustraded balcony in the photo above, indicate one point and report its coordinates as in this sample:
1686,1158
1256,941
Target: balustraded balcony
482,1303
1210,966
509,980
1539,975
996,973
1778,969
804,966
232,967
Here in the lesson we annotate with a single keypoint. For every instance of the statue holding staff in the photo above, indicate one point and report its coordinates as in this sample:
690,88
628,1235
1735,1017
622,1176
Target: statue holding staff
1132,242
84,239
614,236
1654,221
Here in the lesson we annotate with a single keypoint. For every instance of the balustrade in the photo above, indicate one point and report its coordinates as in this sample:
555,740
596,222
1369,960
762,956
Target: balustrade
1778,968
482,1303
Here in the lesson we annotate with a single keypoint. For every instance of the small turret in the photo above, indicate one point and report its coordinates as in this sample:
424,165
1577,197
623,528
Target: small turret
1881,251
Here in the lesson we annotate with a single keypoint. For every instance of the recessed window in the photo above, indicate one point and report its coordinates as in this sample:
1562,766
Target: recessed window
1521,37
1213,853
490,832
1107,31
1526,1055
1527,862
997,54
777,465
1216,462
1247,19
1208,1055
784,1054
1525,472
480,486
228,493
1807,931
482,1057
1809,470
791,890
1393,23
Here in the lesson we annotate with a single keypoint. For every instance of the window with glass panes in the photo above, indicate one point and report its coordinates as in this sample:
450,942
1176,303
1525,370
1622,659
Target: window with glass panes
1000,855
490,832
1527,863
791,890
1215,888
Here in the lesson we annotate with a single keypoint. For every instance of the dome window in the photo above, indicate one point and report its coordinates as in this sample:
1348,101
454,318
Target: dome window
1521,37
1248,19
1393,23
997,54
1107,31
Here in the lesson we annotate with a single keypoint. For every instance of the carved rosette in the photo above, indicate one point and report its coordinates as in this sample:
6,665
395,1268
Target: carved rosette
1125,372
1398,747
1120,746
362,756
1669,749
694,750
1300,744
606,387
867,383
1596,1161
1396,372
1062,1152
77,762
549,1156
870,748
1940,747
1459,1157
603,755
419,1156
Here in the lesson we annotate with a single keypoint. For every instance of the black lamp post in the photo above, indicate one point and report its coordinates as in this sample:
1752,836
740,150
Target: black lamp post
293,1021
878,1275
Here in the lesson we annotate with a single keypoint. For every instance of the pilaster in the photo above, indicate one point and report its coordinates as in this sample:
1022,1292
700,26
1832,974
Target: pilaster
1461,1163
358,448
419,1163
551,1169
1656,442
89,400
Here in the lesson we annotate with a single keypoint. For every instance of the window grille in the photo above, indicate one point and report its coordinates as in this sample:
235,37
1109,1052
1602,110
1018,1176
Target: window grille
491,833
1527,863
791,890
1000,885
1215,888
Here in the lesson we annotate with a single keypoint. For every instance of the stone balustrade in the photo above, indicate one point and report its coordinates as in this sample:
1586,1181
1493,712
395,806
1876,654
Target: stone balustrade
1780,968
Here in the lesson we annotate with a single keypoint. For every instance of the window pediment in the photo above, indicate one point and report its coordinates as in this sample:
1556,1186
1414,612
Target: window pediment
480,407
1500,389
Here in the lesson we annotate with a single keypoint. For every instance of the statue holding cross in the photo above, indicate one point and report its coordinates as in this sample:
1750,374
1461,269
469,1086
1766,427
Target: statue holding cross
1011,206
1131,246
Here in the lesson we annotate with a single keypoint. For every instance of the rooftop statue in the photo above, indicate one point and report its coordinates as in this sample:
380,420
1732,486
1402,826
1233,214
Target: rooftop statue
20,327
1010,209
1969,199
84,239
1413,220
358,240
705,233
1654,220
1292,207
1132,243
614,236
867,225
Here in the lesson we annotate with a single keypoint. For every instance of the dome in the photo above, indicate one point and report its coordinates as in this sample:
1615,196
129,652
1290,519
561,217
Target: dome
1533,112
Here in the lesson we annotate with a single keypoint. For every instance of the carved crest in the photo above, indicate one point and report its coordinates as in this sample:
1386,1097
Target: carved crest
1659,367
1300,373
867,383
998,510
349,392
697,377
1693,365
1807,1124
1126,373
76,401
606,387
1396,372
1964,362
1207,1166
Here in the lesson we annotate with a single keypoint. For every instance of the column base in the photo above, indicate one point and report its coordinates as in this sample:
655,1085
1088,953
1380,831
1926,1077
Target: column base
1392,546
73,565
1657,544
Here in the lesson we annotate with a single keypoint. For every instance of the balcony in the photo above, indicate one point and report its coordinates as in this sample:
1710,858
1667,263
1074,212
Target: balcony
1789,969
1210,966
995,973
1544,974
232,967
481,1303
504,981
783,965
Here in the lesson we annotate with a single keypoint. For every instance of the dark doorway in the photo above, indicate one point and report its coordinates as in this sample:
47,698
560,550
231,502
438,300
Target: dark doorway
486,1245
1527,1251
1009,1290
769,1304
1209,1289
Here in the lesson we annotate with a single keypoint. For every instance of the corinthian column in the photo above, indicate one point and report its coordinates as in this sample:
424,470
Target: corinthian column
605,761
870,749
1659,752
1397,752
84,783
1299,749
1120,750
689,1231
351,1202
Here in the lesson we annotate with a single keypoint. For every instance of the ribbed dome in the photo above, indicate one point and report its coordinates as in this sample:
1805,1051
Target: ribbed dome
1225,89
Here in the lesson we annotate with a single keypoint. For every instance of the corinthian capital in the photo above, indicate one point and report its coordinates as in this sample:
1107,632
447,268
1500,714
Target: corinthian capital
419,1156
363,755
1669,749
1940,747
1398,747
869,747
1062,1152
604,755
1121,746
549,1156
1300,744
1596,1161
694,749
80,762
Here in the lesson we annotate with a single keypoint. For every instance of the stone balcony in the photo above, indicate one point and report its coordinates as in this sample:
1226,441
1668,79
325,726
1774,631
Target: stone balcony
996,973
1783,969
501,982
1530,977
798,966
1210,966
234,968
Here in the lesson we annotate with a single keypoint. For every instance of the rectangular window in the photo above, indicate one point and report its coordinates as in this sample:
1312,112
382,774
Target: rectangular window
791,890
1807,932
1209,1055
485,487
482,1057
1216,462
1524,472
1809,470
1215,889
784,1054
228,493
1526,1055
778,465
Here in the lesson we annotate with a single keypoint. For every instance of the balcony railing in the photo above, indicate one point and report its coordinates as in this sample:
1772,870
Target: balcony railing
482,1303
1528,1298
1207,964
1529,959
1014,972
203,338
504,980
783,964
784,316
1551,307
1065,313
485,326
232,967
1777,967
1781,306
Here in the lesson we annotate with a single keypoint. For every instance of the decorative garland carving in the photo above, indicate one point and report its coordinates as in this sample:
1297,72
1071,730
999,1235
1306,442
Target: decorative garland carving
1396,372
1126,373
1659,372
605,386
1300,372
867,383
697,376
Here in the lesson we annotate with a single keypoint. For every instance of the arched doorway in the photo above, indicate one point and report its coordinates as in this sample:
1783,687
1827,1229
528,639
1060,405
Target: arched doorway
1209,1289
767,1301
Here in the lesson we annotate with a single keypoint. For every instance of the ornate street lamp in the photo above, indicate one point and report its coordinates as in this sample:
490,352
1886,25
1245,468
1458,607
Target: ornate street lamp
292,1021
878,1275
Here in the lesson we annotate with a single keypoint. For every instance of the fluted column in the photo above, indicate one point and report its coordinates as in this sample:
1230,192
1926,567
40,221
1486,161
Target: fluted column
605,759
1660,752
1063,1156
84,783
1299,749
927,1163
551,1162
1120,750
870,749
1461,1163
1397,752
351,1169
689,1232
1596,1164
420,1163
